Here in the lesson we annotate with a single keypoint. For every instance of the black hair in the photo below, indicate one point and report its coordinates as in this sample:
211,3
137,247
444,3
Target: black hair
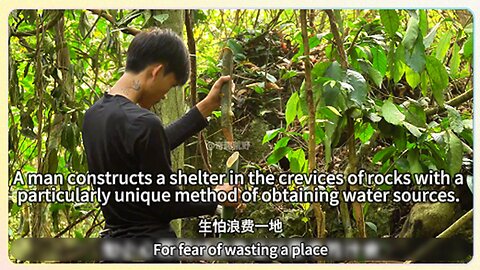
159,46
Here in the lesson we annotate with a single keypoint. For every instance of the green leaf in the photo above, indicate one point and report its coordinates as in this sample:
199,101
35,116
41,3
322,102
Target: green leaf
277,155
330,129
335,72
371,226
291,109
423,24
454,153
360,87
455,61
319,69
364,132
413,129
415,58
413,158
390,21
415,115
334,110
297,161
424,81
270,134
468,47
428,40
413,78
455,119
281,143
412,33
438,78
237,49
399,64
443,46
383,154
391,114
161,18
289,74
374,74
379,60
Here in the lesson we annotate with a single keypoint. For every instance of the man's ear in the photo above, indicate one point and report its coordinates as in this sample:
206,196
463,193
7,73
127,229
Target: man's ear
157,70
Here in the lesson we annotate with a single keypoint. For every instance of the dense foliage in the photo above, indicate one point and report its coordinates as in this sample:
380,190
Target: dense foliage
397,96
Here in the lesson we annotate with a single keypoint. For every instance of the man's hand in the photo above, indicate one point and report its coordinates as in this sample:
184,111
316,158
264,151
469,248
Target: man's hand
228,188
213,99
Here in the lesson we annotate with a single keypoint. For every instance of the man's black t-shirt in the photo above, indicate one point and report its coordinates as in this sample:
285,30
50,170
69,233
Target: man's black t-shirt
122,138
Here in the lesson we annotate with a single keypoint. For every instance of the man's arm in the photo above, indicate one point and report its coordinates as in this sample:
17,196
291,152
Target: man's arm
154,158
185,127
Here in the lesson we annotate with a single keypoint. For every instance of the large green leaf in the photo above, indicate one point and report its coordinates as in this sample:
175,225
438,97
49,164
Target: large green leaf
390,21
391,114
335,71
412,32
278,154
438,78
413,78
443,46
291,109
454,153
360,87
379,60
415,58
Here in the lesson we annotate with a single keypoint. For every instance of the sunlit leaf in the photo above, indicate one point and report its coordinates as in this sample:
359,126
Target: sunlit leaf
291,109
390,21
391,114
438,78
443,46
412,33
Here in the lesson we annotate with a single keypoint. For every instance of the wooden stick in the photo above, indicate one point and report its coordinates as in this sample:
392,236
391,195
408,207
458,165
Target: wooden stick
231,167
226,103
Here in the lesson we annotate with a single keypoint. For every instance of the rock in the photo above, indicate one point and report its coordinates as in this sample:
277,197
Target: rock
428,220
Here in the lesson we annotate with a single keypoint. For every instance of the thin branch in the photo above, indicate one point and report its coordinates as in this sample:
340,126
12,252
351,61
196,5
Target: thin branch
108,17
338,39
69,227
454,102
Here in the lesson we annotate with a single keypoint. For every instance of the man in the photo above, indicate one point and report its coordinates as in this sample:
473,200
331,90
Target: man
121,135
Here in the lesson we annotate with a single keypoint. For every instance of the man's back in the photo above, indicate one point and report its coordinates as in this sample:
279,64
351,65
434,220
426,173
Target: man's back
122,138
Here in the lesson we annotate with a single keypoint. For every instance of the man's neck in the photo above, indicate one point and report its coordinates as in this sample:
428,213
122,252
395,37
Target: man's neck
129,86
